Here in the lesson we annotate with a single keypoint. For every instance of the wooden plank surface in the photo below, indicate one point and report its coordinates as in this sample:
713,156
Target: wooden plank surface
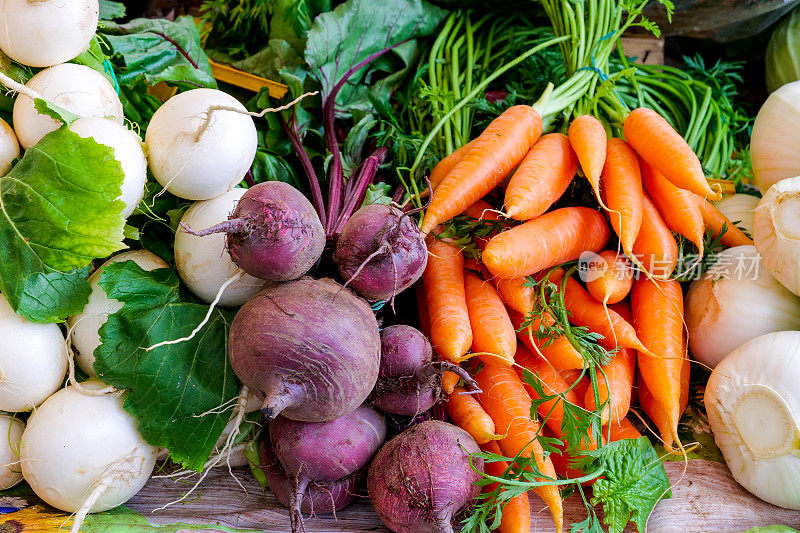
705,499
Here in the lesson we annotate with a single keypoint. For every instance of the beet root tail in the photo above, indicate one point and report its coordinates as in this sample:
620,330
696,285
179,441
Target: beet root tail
235,225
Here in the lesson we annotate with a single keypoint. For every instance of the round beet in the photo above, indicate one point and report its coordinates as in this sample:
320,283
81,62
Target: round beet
421,479
328,451
274,233
310,347
410,382
380,252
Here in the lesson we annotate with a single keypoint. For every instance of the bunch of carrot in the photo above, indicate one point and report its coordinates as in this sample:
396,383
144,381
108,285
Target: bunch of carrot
648,186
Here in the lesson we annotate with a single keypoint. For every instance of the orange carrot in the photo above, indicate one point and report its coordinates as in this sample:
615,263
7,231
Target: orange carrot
579,378
505,399
493,335
501,147
551,239
551,411
441,170
517,511
665,150
515,294
482,211
655,247
465,412
451,333
658,318
559,352
449,379
655,410
588,138
612,279
680,208
621,430
714,221
541,178
622,184
614,385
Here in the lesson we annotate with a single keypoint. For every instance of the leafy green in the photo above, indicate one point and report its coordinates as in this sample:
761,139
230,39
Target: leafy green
771,529
159,50
59,212
16,72
357,29
94,58
110,10
633,482
171,386
43,107
378,193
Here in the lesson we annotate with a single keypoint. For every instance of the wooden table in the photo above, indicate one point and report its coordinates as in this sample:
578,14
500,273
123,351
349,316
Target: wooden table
705,499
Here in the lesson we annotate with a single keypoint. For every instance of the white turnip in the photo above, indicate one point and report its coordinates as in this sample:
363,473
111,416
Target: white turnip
85,326
324,453
128,151
80,90
42,33
380,252
203,263
410,381
273,234
33,360
201,143
310,347
83,453
421,479
11,429
9,147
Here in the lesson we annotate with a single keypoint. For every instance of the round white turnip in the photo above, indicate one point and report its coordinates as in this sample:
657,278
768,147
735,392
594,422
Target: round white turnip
33,360
11,429
85,326
83,453
79,89
42,33
9,147
128,151
203,263
198,151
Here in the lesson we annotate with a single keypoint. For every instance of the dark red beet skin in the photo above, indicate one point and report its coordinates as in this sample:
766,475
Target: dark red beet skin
380,253
421,479
310,347
328,451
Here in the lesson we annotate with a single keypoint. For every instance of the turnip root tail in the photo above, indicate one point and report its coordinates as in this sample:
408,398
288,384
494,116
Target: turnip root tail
74,382
19,88
279,398
301,482
258,114
236,225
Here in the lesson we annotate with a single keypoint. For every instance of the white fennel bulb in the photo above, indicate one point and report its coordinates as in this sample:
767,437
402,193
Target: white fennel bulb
735,301
197,151
84,453
203,263
33,360
9,147
42,33
128,151
776,137
776,232
85,326
82,91
753,405
11,429
740,209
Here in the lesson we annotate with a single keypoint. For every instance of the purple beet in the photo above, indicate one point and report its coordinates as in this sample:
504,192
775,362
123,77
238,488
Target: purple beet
320,498
324,453
310,347
410,382
421,479
380,252
274,233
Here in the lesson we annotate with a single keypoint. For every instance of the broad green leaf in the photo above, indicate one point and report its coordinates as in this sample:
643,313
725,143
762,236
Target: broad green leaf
110,10
159,50
291,20
58,212
170,386
94,58
357,29
633,482
43,107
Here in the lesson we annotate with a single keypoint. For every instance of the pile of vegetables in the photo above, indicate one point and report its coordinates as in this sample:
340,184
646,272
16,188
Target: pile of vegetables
200,273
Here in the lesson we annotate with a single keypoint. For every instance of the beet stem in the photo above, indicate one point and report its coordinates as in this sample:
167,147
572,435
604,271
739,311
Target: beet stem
365,177
234,225
308,167
437,368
